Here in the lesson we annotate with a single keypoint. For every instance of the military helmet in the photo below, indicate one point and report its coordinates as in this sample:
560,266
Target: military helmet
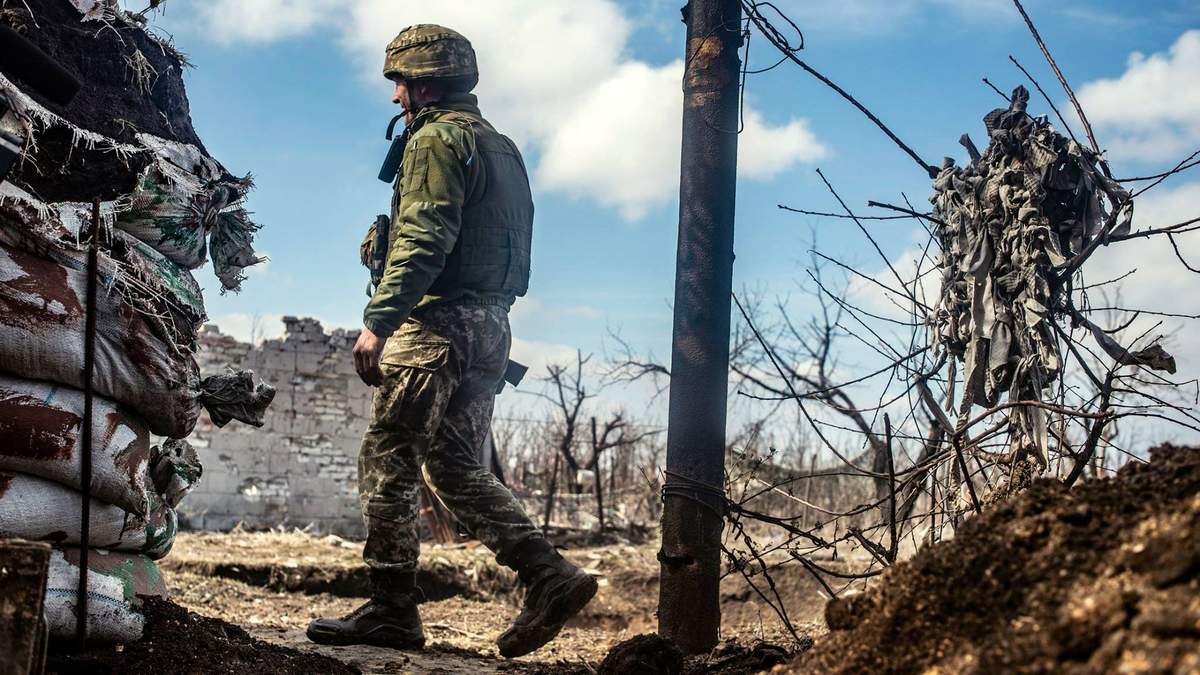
427,51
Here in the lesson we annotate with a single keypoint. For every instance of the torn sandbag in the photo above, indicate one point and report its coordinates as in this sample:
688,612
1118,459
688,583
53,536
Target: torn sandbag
133,84
40,510
169,191
1007,222
40,435
42,337
234,396
165,293
177,201
174,470
115,582
232,249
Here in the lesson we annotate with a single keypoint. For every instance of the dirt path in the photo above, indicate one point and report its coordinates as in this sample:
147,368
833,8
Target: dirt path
273,584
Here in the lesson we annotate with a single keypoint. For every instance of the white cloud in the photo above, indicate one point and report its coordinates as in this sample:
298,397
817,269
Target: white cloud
1152,111
554,75
1161,282
765,151
230,21
894,303
538,355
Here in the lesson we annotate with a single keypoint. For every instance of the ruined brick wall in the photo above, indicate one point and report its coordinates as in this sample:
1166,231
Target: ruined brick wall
300,468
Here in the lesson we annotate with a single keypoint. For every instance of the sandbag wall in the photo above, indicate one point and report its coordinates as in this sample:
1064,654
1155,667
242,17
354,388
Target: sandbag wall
166,207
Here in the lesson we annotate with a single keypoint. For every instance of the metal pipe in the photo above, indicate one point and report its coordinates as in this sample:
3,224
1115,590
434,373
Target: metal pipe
85,460
689,612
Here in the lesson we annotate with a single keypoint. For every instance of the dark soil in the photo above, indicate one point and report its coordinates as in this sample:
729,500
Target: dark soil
109,102
179,642
1100,579
643,655
654,655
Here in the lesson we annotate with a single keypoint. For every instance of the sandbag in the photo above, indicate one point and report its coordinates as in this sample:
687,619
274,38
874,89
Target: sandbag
39,510
42,337
115,580
166,294
40,425
173,216
181,199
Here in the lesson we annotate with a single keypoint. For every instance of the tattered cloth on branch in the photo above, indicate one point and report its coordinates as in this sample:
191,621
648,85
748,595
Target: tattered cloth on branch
1009,221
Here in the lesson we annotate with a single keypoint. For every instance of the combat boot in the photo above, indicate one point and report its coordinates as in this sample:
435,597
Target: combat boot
556,590
389,619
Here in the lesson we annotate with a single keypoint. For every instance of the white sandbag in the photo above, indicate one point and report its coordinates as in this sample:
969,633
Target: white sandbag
172,217
181,199
40,425
39,510
164,292
137,364
115,580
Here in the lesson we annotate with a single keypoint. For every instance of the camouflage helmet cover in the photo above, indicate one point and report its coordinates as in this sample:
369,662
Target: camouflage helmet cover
431,51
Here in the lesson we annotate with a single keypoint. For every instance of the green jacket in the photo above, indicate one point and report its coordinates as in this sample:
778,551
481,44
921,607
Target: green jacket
462,218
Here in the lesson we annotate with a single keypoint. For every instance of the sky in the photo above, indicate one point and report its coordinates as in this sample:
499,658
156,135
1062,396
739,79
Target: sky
292,91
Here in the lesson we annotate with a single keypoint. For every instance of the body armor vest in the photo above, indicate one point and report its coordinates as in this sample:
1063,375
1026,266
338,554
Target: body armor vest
493,249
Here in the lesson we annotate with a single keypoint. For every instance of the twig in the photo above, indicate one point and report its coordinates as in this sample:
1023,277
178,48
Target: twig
841,215
767,30
997,90
901,209
891,465
1041,91
1087,127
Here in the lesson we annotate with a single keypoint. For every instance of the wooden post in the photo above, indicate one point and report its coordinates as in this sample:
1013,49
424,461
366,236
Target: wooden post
689,611
23,568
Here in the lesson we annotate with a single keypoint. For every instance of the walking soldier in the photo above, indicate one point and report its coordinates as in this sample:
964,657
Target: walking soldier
435,342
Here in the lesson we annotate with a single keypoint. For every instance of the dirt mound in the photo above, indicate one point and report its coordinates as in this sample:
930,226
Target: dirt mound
654,655
131,82
178,641
1101,579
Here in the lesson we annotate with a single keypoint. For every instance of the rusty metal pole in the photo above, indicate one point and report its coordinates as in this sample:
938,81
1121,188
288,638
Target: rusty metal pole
689,612
85,460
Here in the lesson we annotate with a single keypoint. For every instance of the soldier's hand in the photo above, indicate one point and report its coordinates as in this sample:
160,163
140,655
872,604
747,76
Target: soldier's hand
367,352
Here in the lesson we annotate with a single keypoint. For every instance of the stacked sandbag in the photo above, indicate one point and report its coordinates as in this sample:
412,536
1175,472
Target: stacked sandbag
127,138
38,509
124,544
166,207
116,583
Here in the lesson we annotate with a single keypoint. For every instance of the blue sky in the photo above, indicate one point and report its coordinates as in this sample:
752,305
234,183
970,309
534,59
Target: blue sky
290,90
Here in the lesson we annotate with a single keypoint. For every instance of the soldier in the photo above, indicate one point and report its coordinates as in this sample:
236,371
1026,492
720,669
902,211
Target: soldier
436,341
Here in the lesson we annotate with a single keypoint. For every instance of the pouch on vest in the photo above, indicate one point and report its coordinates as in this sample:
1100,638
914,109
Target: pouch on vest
373,251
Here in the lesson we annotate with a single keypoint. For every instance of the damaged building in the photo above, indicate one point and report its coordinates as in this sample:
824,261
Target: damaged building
300,468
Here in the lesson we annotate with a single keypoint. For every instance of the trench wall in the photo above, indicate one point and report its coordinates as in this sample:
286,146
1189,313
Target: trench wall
300,468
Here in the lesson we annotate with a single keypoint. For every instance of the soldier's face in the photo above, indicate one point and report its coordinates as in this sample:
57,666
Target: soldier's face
402,98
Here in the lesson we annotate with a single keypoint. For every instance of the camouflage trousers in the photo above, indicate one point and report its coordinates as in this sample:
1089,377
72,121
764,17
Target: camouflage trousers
441,372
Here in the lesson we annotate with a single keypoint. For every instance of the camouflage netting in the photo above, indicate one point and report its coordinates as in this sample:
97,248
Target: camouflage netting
166,207
1009,224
